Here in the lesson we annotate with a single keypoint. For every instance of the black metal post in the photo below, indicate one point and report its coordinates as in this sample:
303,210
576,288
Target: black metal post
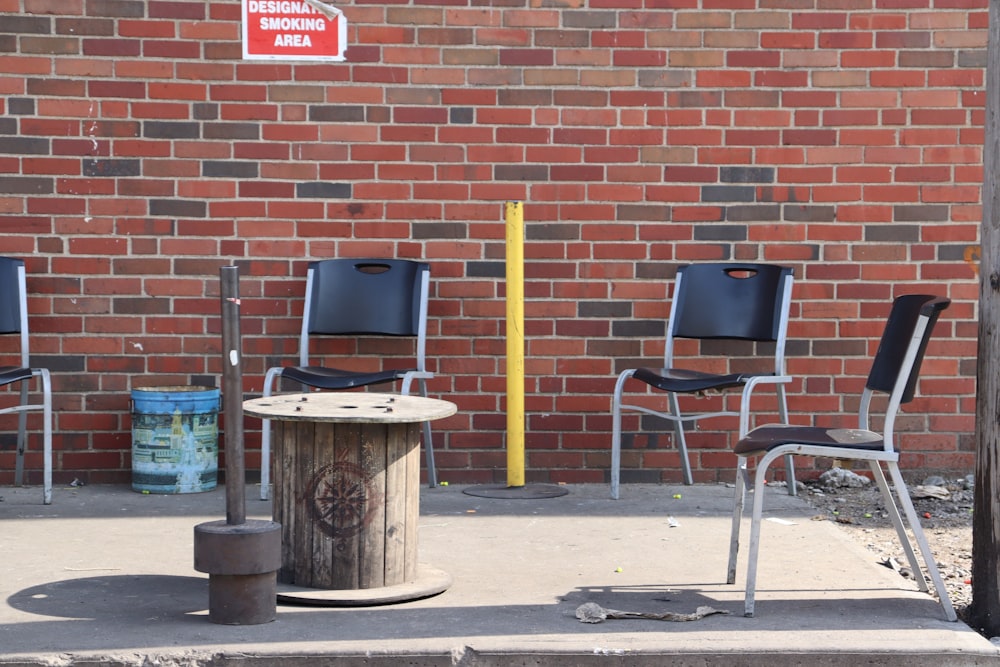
232,391
241,557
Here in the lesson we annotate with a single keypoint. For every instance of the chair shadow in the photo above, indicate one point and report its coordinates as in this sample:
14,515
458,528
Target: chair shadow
816,611
652,599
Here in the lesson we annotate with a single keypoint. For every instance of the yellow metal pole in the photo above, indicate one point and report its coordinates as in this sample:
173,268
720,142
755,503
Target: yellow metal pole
514,216
516,488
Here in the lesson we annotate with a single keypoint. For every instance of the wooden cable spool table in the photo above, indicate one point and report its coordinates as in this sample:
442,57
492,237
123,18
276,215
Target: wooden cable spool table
347,495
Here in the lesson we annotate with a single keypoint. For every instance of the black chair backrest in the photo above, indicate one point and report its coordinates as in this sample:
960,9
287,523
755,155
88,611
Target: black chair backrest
365,296
729,300
10,296
899,329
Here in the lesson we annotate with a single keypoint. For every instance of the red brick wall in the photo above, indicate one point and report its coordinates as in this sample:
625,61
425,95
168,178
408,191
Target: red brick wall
139,154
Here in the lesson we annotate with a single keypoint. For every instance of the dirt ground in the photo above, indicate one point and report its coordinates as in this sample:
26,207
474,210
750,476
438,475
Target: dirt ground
944,507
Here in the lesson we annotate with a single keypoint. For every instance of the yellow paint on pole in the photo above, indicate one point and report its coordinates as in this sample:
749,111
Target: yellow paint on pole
514,216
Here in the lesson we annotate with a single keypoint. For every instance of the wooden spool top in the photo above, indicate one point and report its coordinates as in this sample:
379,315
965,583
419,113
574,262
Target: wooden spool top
353,407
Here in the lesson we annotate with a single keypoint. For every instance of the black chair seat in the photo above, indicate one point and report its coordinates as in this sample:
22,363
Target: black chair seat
687,381
769,436
10,374
323,377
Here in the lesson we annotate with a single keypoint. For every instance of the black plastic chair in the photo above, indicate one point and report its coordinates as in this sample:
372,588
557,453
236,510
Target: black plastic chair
894,371
716,301
14,320
358,298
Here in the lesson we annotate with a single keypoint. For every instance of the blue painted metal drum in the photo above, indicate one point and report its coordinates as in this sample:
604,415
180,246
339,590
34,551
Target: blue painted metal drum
175,439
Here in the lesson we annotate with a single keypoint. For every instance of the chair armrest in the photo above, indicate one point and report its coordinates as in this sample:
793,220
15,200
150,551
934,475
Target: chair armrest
748,389
410,376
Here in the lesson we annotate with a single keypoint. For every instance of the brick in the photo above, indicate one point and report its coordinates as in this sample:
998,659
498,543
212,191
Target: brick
111,47
135,90
746,175
526,57
58,88
420,115
461,115
50,45
230,169
331,190
136,28
24,145
177,208
26,25
592,20
170,130
116,8
26,185
908,39
712,193
231,131
113,168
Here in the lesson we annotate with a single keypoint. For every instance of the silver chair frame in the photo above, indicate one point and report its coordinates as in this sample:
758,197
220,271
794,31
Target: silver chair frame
22,409
875,459
779,380
420,374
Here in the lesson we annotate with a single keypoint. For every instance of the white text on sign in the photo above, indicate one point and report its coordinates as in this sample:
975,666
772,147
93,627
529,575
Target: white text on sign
293,30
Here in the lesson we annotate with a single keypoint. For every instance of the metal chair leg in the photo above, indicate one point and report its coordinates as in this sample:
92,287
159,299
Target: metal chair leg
46,436
739,498
616,433
681,441
754,548
428,444
918,534
22,438
265,438
897,522
789,458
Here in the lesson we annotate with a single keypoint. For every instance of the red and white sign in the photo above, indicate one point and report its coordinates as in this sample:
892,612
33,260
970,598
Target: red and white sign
293,30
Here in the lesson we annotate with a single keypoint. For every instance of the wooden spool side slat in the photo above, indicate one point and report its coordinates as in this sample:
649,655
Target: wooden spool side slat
395,481
284,457
305,439
349,502
373,539
412,498
323,545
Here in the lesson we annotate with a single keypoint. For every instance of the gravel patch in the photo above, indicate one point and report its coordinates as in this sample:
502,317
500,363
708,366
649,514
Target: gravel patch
943,505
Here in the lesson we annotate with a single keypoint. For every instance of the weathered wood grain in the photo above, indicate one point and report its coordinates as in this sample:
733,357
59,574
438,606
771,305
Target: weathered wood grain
356,407
347,486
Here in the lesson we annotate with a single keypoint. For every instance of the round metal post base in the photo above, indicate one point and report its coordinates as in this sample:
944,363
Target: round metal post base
242,562
242,599
526,492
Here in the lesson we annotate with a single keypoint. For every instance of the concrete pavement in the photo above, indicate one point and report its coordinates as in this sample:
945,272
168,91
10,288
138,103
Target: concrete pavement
104,575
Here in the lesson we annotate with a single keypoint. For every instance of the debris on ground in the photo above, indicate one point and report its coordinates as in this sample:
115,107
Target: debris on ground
839,478
946,518
591,612
928,491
